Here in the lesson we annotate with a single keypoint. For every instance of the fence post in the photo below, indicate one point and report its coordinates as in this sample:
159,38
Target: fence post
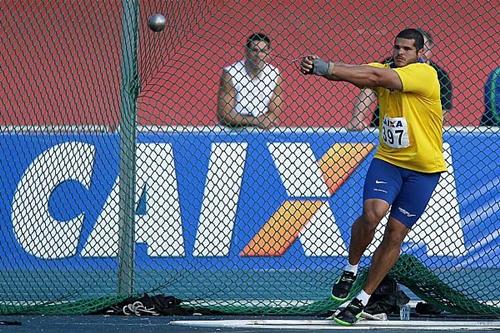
129,91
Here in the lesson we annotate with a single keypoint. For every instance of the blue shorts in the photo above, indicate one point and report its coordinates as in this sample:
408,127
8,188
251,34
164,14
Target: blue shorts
407,191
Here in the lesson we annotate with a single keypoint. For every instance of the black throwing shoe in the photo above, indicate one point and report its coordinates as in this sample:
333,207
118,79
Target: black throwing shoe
342,287
350,314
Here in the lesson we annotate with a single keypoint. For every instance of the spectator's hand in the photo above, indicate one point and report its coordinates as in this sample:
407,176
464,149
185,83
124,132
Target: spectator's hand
266,122
355,125
306,64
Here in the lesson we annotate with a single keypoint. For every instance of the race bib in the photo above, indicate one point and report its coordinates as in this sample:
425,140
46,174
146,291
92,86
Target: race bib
395,132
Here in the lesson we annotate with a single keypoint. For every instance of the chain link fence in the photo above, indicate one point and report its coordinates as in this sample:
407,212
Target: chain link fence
239,219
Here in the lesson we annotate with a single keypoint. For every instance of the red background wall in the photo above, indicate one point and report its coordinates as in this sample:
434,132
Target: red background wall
61,64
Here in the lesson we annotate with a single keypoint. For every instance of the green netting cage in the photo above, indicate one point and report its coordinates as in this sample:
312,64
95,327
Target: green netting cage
121,176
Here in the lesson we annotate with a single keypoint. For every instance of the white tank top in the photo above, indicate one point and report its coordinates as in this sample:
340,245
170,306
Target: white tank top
252,95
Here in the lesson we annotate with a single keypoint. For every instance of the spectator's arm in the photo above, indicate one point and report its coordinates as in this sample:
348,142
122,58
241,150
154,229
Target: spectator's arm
446,95
362,110
226,102
271,117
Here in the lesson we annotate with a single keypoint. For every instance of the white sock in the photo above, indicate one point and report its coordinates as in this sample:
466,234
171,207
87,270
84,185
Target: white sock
351,268
363,297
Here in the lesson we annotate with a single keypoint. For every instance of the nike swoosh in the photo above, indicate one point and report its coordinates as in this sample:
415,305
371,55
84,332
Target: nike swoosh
380,182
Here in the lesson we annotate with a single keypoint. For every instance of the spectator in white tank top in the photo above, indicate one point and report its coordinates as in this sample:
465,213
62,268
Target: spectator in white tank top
250,89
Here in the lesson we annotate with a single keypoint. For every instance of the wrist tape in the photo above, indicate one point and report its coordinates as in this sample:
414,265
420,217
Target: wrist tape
320,67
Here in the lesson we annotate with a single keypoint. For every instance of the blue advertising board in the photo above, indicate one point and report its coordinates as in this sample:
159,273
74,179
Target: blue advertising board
210,199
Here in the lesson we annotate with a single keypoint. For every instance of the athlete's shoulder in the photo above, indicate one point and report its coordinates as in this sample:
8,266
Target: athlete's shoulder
377,65
420,68
387,60
419,78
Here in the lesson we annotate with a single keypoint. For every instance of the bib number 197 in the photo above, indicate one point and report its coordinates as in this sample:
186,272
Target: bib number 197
395,132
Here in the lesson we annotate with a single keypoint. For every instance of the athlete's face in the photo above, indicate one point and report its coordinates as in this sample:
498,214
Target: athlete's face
404,52
258,53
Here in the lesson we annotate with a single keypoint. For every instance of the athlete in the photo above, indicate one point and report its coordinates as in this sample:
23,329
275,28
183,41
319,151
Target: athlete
407,165
362,111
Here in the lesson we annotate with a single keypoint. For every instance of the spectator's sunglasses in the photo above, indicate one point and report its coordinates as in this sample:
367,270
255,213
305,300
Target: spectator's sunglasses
255,49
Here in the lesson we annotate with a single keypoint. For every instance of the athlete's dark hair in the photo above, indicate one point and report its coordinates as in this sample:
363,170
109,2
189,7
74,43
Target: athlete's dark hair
258,37
413,34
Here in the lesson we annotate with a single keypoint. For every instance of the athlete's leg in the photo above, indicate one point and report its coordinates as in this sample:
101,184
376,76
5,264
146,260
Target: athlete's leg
407,208
386,254
382,185
363,229
384,258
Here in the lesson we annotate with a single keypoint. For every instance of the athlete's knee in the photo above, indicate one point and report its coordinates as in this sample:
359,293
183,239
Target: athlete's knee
374,211
395,233
369,222
392,240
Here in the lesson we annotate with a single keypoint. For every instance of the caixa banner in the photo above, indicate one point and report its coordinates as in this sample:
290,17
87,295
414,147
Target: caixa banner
243,196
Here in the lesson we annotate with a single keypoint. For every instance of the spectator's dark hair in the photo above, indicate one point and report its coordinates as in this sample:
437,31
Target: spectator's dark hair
413,34
426,35
258,37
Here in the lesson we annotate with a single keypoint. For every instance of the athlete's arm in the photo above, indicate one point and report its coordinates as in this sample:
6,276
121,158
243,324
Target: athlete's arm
365,76
362,76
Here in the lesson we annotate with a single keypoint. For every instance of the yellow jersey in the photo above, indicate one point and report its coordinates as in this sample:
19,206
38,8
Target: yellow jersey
411,120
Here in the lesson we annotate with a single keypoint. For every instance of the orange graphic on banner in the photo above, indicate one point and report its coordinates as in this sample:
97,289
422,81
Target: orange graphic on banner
340,161
282,228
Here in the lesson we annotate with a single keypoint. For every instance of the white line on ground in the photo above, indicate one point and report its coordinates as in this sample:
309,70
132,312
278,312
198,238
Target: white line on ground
285,303
330,325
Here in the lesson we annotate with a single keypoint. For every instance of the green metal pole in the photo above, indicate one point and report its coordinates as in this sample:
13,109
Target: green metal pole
129,91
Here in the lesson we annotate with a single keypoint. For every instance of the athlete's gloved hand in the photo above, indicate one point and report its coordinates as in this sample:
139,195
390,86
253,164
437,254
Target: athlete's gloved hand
320,67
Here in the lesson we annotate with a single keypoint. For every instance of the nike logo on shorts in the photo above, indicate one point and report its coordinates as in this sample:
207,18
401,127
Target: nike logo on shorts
380,182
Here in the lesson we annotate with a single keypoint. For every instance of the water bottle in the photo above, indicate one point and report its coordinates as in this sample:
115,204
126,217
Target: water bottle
404,312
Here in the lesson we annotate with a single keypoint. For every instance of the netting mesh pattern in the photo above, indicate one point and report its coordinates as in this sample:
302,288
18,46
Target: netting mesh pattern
240,220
